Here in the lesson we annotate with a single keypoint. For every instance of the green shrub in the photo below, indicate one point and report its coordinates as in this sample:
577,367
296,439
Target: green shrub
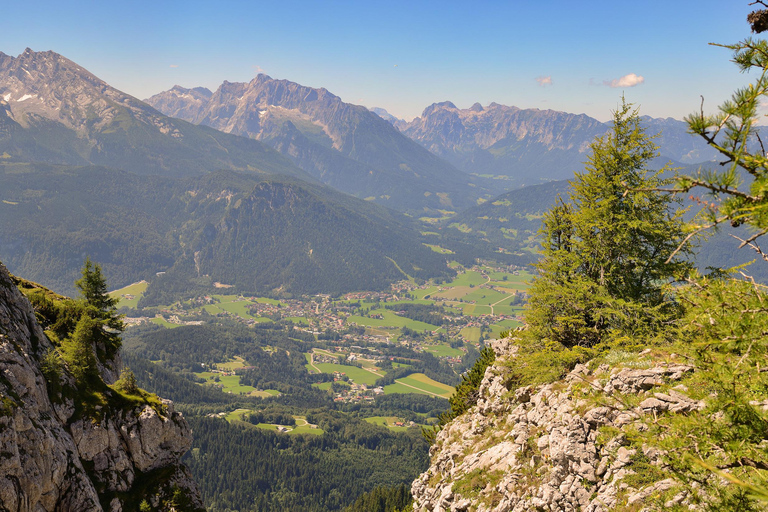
466,393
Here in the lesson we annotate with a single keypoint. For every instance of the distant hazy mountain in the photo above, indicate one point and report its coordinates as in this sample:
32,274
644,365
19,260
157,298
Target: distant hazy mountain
530,145
394,121
256,233
343,145
52,110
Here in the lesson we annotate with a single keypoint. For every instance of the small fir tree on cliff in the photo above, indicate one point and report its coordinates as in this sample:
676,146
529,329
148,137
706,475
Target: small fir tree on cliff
606,254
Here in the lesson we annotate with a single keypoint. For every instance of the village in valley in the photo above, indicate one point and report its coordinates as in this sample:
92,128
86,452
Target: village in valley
445,320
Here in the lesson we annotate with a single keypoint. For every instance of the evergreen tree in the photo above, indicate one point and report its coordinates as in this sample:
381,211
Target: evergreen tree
93,288
726,319
606,252
101,307
740,190
78,350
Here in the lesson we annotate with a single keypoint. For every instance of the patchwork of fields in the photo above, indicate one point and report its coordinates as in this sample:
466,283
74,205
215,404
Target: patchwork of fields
480,302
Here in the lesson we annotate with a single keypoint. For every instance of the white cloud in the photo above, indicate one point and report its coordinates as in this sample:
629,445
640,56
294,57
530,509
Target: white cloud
629,80
174,65
544,81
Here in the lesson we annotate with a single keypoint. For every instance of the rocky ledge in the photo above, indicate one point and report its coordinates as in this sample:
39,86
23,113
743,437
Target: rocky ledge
557,447
56,457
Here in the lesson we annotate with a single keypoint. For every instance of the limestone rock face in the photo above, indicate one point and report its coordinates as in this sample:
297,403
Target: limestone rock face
53,457
557,447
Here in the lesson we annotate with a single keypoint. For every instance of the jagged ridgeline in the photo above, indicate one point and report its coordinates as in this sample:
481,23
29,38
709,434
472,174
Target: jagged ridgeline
531,146
345,146
54,111
242,229
74,439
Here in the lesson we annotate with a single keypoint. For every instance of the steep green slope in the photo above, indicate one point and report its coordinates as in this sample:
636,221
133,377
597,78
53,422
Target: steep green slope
257,233
502,228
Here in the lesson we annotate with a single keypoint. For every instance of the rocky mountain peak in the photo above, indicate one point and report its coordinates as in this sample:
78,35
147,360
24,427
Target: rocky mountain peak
331,138
530,145
49,85
477,107
435,108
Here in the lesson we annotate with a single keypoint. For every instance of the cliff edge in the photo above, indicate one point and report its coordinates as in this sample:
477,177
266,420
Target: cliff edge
111,452
573,445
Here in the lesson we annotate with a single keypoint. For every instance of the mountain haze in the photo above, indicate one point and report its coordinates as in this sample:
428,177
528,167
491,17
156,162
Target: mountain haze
530,145
343,145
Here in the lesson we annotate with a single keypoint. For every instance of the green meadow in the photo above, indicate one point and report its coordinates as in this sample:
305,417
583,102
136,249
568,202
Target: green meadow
358,375
390,319
136,290
389,422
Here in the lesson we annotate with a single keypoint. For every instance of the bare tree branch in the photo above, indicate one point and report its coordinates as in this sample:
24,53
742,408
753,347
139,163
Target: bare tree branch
692,234
756,247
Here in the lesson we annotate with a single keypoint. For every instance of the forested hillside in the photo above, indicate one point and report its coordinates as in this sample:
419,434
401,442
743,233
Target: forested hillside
240,229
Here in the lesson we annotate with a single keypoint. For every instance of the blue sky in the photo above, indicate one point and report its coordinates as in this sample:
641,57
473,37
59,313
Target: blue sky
405,55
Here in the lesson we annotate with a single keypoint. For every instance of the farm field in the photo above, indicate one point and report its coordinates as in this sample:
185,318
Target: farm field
475,310
485,296
470,277
421,293
443,350
439,250
237,307
302,426
390,319
419,383
453,293
505,309
471,334
239,362
504,325
136,290
358,375
265,393
424,382
165,323
229,383
389,422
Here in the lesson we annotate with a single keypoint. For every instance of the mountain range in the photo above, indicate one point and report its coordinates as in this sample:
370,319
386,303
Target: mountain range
54,111
347,146
529,146
343,145
277,219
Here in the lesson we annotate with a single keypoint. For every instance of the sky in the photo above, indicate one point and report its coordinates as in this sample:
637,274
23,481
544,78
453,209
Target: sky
572,56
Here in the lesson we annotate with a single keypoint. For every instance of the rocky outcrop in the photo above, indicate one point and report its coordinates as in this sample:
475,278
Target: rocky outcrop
58,455
557,447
